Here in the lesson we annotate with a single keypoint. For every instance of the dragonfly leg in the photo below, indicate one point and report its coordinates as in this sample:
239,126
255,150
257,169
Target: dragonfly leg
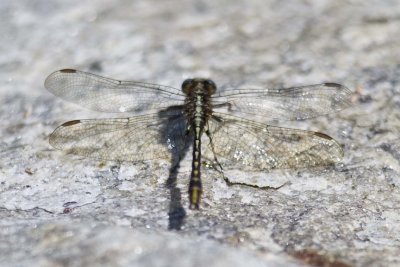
213,150
229,105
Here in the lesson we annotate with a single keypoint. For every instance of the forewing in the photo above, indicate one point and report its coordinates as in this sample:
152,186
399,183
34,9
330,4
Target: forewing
127,139
294,103
104,94
246,145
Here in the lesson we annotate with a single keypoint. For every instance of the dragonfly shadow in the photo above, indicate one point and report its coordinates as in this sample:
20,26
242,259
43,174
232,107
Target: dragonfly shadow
176,213
173,134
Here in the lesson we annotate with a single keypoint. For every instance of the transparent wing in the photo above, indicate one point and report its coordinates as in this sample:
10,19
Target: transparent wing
104,94
134,139
284,104
246,145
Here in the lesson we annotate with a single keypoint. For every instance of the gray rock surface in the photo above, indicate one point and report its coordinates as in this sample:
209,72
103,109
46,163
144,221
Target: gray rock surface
62,210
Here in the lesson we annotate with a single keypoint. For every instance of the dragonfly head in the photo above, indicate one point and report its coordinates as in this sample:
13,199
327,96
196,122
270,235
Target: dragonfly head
199,84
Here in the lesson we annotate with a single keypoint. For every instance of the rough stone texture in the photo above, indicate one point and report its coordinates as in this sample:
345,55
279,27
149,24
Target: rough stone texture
61,210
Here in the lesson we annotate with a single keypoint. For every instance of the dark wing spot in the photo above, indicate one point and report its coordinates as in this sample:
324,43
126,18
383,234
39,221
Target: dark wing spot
70,123
322,135
68,71
333,85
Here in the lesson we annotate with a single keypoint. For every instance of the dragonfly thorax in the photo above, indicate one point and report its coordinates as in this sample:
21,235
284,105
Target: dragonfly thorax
197,106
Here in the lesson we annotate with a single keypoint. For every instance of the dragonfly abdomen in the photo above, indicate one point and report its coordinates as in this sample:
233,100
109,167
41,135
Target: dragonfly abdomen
199,119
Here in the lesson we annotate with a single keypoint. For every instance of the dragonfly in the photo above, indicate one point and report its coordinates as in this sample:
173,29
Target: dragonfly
234,124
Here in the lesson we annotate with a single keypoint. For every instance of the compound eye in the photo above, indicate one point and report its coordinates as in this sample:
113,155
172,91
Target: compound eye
211,85
186,84
210,82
